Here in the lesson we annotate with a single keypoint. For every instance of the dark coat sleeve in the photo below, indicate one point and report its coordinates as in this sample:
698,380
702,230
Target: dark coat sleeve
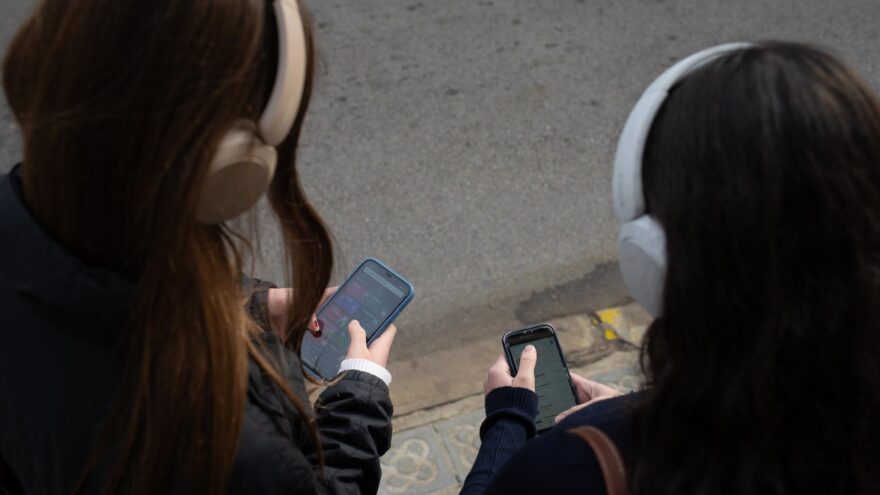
509,424
354,421
276,453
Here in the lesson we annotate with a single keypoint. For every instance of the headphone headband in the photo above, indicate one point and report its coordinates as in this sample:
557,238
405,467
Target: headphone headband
629,197
280,111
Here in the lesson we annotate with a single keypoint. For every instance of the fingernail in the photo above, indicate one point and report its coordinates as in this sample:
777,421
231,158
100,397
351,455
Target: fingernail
557,419
530,349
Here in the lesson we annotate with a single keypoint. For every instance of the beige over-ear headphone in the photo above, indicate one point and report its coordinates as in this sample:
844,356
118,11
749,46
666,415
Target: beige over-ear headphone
244,164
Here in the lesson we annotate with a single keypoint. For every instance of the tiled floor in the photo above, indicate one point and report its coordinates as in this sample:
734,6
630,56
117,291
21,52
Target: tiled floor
431,459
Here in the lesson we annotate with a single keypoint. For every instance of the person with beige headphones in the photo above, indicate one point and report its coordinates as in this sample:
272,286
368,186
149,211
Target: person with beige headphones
128,362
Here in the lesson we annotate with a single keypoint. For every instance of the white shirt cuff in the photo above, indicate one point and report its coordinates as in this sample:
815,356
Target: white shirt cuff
366,366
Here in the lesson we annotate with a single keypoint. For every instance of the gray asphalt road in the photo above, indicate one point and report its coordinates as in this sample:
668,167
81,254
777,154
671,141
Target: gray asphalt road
468,143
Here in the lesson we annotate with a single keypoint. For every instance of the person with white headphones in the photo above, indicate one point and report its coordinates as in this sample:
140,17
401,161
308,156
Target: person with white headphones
747,187
128,361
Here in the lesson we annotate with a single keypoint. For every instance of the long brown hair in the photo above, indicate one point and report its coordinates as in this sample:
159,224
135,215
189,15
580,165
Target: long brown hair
121,104
764,370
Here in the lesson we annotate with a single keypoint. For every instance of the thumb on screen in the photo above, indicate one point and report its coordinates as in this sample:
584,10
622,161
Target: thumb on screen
525,376
358,346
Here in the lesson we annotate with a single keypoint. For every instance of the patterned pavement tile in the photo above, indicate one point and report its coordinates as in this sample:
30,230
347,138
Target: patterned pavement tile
624,379
416,464
462,438
452,490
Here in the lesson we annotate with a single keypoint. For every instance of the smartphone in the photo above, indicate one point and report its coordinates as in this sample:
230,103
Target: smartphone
374,295
553,384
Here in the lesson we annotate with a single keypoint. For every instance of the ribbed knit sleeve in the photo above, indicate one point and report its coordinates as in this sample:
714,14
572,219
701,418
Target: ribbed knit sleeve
509,424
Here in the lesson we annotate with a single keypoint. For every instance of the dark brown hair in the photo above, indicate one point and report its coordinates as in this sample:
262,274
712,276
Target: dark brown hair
121,105
764,370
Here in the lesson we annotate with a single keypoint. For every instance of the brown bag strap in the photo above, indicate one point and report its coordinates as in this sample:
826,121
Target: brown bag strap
610,461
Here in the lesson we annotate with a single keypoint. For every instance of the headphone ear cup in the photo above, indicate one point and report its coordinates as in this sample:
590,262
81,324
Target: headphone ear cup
240,173
642,253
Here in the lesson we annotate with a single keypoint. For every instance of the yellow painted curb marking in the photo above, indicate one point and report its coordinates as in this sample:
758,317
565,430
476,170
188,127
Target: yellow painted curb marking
610,318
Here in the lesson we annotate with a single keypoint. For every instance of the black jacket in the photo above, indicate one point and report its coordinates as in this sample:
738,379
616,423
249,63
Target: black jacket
59,365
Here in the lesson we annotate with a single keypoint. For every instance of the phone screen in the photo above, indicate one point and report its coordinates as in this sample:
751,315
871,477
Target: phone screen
371,295
552,383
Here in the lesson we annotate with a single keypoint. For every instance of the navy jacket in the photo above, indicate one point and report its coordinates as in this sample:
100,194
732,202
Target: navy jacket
59,323
512,460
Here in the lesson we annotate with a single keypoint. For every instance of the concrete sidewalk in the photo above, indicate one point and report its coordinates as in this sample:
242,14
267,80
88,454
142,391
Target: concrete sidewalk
433,448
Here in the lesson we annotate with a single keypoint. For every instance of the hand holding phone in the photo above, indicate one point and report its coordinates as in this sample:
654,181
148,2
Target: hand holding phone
377,351
501,376
556,392
588,393
373,295
278,302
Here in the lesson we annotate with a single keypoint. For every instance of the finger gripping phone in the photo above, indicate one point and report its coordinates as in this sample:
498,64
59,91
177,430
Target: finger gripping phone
553,384
374,295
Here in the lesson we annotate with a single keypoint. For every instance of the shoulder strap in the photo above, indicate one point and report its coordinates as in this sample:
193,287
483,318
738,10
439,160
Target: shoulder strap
610,461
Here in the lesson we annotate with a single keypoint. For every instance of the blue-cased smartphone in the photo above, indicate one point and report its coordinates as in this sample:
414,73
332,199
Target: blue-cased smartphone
553,384
374,295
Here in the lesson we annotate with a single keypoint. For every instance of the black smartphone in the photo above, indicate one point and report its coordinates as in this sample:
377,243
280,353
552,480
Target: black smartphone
553,384
374,295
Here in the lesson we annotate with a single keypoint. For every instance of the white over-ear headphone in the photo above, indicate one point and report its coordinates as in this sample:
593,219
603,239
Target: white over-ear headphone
642,242
244,163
